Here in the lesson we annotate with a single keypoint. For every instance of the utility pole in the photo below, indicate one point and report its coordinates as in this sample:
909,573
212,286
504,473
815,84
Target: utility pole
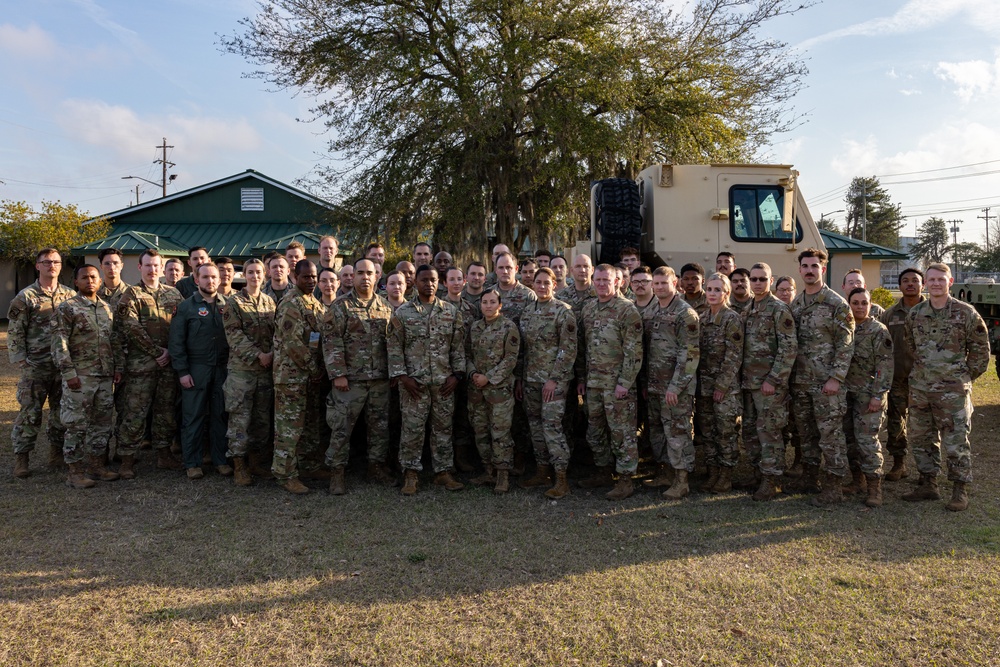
164,162
864,209
986,217
954,252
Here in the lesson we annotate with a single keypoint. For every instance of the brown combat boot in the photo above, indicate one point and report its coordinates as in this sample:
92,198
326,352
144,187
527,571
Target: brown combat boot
807,483
462,463
959,497
447,481
241,472
487,478
225,470
874,498
831,492
796,469
561,487
21,469
623,488
768,488
857,483
97,472
601,477
725,482
321,474
543,477
410,478
56,460
260,466
926,489
337,485
127,469
503,482
378,473
664,477
680,487
898,471
295,486
77,479
165,460
713,479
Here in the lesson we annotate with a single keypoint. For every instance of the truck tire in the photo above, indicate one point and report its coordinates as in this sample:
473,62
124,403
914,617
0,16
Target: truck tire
618,219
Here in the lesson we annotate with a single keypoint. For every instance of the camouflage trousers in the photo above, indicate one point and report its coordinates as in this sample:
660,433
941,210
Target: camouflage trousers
249,398
720,426
764,418
441,411
611,429
491,422
87,413
820,419
861,428
342,411
671,430
462,431
941,418
899,399
297,411
145,391
545,421
204,406
33,388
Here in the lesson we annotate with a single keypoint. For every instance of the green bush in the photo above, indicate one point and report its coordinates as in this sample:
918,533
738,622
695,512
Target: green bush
883,297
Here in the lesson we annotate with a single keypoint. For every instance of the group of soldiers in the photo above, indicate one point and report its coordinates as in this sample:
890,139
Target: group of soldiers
726,365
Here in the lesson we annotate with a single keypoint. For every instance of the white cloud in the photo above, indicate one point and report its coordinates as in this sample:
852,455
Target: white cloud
28,43
972,78
909,92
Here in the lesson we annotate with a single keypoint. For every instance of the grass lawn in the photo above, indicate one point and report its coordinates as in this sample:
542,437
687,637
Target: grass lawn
163,571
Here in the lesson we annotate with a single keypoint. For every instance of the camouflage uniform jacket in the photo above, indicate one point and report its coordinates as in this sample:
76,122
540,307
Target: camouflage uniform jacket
740,308
197,334
426,342
354,333
610,334
876,312
474,299
469,312
298,354
825,329
769,343
647,312
492,350
674,350
249,325
950,346
112,296
29,332
895,320
720,344
81,338
699,303
515,300
576,298
871,365
142,323
549,334
277,295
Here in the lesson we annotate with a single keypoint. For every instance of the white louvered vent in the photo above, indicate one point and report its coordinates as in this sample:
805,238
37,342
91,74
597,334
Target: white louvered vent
251,199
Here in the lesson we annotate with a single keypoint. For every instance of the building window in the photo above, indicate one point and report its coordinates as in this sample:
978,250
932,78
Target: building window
251,199
755,214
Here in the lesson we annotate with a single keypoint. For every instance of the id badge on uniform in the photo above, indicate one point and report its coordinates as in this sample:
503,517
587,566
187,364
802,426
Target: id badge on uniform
314,339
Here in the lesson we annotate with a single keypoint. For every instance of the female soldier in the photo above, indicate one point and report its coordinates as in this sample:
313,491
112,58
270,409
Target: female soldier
784,289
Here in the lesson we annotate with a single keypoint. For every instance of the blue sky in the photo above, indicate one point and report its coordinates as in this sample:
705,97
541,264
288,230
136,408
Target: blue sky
91,86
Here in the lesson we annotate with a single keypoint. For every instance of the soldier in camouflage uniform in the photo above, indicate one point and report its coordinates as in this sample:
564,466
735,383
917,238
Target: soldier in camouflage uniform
143,324
426,352
491,355
111,291
475,277
853,280
462,433
354,349
278,285
611,334
692,280
576,294
29,347
81,351
187,285
868,381
720,407
769,347
825,329
951,348
647,304
298,372
741,298
671,369
248,321
548,354
911,284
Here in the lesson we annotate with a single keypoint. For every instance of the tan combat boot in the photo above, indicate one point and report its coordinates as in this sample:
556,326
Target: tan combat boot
831,492
856,485
898,471
338,486
623,488
808,482
409,483
725,482
503,482
959,497
664,477
56,460
97,472
295,486
926,489
488,478
768,488
543,477
561,487
241,472
447,481
21,469
874,498
679,488
165,460
76,479
713,479
127,469
601,477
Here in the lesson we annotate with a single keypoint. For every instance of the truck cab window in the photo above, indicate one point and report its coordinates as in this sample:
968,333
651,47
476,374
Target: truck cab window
755,214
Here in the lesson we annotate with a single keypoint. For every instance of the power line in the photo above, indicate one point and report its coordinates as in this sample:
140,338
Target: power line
945,178
68,187
928,171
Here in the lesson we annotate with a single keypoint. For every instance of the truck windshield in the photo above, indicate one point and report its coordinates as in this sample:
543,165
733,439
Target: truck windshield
755,214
